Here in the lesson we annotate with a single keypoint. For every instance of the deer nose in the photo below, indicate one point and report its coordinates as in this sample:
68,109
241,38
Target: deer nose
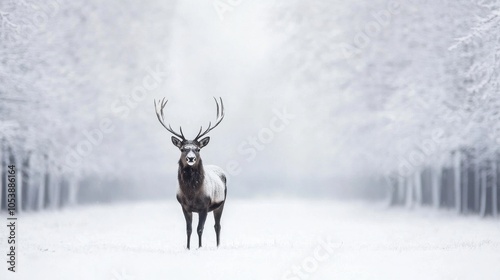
190,159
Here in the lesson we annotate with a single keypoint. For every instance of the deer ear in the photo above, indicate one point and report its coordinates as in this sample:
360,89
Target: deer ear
204,142
176,142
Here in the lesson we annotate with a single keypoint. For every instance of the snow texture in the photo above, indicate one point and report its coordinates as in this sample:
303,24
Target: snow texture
260,240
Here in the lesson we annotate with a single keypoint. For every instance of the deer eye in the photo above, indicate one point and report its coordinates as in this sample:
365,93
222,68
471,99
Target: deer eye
198,150
183,150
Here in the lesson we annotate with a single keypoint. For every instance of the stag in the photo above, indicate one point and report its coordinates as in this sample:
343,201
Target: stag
202,189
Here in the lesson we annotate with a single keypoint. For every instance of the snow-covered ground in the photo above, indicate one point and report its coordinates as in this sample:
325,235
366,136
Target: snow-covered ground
282,239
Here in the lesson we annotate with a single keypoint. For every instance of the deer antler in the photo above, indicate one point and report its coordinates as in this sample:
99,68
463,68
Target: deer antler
220,117
162,103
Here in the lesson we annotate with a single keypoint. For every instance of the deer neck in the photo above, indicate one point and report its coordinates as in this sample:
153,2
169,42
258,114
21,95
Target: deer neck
191,177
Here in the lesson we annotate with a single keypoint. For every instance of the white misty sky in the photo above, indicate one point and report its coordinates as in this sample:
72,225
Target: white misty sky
234,58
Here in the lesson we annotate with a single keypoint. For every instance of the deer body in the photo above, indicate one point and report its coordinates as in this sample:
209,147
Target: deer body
207,182
202,189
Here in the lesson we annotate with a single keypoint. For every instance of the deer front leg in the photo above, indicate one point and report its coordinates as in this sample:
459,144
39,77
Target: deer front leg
202,216
189,219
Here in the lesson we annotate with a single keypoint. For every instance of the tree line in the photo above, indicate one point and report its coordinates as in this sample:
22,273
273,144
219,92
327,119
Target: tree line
63,64
420,80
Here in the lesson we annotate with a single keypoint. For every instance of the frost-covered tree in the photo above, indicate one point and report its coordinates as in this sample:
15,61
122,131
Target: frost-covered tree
420,104
62,65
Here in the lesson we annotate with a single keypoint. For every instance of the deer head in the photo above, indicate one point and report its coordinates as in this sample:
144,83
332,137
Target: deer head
190,149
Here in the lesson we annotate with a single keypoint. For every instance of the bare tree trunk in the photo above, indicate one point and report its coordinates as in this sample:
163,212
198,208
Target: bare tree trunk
444,188
465,183
494,187
47,184
73,191
46,189
410,185
436,187
56,189
393,190
457,182
63,193
33,183
41,192
41,186
477,186
401,189
26,181
418,188
31,201
483,193
425,186
428,186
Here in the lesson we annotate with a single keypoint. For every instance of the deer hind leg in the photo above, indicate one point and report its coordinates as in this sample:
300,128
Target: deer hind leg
189,219
217,216
202,217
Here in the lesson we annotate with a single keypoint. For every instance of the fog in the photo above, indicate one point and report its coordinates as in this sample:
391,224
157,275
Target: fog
360,139
97,98
329,98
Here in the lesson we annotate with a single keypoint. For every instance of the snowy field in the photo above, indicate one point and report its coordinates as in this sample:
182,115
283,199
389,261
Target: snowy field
260,240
